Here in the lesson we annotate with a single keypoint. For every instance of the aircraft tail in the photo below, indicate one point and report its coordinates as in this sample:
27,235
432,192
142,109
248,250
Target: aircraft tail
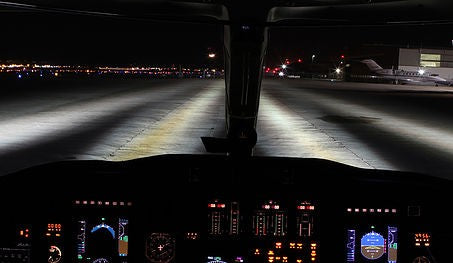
371,64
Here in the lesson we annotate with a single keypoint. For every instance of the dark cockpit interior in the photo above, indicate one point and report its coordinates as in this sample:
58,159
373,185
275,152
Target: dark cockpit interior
189,208
230,206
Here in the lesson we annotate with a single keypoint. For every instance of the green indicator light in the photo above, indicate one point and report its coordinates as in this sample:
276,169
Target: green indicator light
79,257
126,239
103,219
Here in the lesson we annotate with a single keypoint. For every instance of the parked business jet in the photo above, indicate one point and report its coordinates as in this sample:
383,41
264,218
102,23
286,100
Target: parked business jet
405,77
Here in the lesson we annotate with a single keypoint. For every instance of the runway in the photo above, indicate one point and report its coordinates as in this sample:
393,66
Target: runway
374,126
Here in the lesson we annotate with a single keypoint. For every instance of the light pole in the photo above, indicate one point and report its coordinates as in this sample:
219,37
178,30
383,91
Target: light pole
211,57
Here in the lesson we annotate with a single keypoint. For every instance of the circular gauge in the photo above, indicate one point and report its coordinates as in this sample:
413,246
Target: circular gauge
160,248
54,254
421,260
101,260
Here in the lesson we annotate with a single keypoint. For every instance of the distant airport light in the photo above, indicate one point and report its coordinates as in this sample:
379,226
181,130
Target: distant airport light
284,66
281,74
299,60
211,55
342,56
338,70
421,71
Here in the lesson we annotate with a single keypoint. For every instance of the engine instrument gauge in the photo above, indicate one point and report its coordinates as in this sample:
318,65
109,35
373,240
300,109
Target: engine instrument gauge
54,254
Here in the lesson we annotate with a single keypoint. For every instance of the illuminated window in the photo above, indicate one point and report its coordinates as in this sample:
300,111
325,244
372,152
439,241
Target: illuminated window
430,60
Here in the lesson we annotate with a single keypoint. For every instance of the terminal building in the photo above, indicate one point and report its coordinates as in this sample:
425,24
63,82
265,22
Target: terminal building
435,61
432,61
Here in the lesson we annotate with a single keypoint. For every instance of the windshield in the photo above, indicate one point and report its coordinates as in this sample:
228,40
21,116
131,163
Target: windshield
77,87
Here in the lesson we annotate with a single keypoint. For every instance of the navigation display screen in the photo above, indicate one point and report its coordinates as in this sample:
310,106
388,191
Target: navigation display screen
372,244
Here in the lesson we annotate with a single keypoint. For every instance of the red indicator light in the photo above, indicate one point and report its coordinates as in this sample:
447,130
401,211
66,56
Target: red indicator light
342,56
211,205
299,60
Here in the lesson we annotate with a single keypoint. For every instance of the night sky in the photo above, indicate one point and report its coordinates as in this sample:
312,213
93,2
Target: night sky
88,40
79,39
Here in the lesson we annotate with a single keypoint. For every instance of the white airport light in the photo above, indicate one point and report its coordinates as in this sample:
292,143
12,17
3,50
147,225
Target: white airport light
283,66
281,74
421,71
211,55
338,70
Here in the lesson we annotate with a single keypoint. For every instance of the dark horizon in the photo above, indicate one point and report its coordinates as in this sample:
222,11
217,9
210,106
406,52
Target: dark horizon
98,41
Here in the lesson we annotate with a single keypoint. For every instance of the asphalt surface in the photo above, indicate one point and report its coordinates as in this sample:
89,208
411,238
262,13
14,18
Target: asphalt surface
375,126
